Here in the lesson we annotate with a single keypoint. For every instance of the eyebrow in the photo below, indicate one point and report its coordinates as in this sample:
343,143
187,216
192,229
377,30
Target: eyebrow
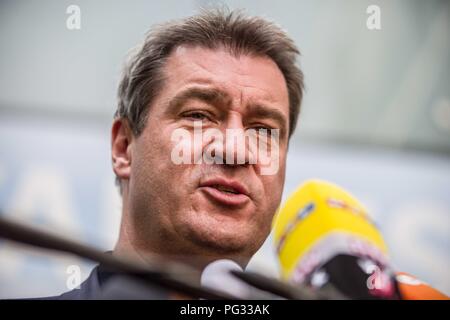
208,95
217,96
271,113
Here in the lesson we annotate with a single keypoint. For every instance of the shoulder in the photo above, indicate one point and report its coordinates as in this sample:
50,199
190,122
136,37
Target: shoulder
89,289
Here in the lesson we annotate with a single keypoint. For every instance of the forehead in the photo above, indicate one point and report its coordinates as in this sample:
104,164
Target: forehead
247,77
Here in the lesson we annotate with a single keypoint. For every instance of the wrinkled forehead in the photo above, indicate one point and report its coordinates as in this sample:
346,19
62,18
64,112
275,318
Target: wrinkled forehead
255,74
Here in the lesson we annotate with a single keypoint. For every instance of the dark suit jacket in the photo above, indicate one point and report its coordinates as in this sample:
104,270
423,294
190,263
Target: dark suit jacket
106,285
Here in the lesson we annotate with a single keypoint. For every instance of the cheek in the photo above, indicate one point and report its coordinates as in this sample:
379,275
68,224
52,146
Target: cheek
273,190
273,183
157,167
156,182
155,148
151,159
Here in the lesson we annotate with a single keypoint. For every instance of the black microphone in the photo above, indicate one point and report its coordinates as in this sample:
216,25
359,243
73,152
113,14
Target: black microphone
281,289
227,276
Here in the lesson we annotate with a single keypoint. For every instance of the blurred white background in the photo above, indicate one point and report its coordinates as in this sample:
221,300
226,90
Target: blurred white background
375,120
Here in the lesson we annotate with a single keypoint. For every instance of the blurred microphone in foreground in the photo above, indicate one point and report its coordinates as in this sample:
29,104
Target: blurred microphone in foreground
127,279
325,238
228,277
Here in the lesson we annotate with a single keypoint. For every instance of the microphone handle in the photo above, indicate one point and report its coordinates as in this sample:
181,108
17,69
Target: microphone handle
287,290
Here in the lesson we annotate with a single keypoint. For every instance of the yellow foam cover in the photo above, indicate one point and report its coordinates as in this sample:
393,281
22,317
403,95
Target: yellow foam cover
323,208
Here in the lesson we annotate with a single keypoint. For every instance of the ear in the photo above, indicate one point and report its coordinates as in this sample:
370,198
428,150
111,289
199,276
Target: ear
121,139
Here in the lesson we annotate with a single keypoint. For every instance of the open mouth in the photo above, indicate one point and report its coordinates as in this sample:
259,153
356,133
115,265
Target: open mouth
228,193
225,189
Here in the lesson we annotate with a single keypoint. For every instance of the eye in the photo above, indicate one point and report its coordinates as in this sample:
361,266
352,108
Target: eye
258,128
262,128
264,131
196,115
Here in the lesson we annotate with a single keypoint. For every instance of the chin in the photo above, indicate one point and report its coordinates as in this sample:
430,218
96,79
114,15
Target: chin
213,232
215,239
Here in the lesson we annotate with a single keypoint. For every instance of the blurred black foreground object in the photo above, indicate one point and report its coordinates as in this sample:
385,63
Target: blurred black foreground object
118,279
115,277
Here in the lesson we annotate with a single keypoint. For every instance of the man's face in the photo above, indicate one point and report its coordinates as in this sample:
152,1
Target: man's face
183,207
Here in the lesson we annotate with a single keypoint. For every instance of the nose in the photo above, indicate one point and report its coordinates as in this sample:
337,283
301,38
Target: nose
236,147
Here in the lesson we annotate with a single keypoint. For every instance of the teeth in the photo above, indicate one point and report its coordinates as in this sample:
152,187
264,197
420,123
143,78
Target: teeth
225,189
